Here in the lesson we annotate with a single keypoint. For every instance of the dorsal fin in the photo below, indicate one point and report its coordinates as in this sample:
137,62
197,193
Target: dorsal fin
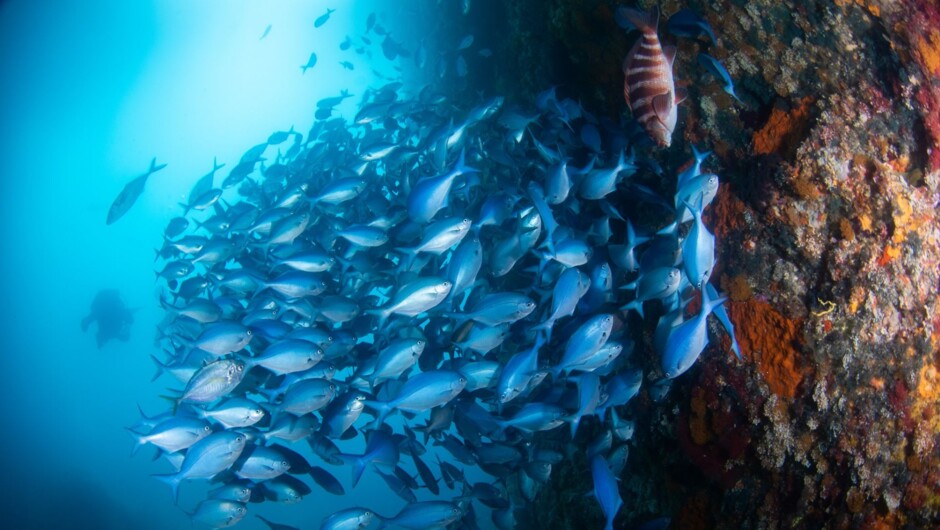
670,53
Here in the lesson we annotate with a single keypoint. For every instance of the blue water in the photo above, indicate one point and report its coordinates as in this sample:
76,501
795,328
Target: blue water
91,91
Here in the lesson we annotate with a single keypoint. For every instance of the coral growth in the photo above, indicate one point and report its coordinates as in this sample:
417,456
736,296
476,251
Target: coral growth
771,341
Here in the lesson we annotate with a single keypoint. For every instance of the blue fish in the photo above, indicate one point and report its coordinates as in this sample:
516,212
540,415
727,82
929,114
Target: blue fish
722,316
570,286
589,396
311,62
518,372
498,308
606,490
534,417
422,392
464,265
557,183
718,70
656,284
620,389
326,480
430,195
590,137
128,196
427,515
322,19
600,183
698,248
688,23
687,340
584,342
398,486
694,169
349,519
206,458
702,188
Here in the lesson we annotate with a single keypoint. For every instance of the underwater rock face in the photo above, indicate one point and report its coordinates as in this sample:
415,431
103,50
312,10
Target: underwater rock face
828,243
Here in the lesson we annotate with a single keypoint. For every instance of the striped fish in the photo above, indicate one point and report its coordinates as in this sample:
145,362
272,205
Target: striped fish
648,85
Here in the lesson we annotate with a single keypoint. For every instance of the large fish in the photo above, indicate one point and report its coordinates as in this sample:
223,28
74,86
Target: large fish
128,196
648,85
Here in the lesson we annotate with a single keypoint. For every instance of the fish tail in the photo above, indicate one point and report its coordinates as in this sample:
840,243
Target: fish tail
161,369
174,480
382,315
636,305
359,464
700,156
138,439
461,168
154,167
408,257
574,421
140,411
382,407
176,402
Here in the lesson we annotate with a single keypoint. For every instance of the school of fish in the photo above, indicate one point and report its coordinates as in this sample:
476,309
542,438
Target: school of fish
448,285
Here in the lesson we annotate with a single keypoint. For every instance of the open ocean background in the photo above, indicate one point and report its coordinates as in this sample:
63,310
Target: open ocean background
92,91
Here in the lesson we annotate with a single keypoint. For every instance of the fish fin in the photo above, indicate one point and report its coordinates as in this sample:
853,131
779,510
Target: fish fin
138,438
670,53
161,368
174,480
349,433
681,95
575,421
358,466
154,167
661,105
176,401
382,407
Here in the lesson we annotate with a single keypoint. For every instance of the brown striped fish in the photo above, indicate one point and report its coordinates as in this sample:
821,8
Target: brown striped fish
648,85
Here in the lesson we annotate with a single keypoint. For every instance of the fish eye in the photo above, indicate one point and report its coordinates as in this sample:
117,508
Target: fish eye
207,428
248,332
